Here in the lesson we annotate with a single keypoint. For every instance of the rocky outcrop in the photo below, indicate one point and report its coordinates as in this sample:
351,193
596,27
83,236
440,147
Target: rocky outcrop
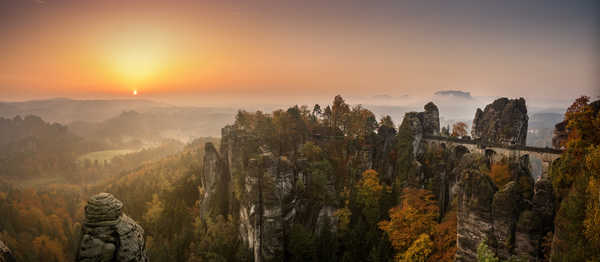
385,143
214,183
5,254
505,212
431,119
543,204
512,220
502,122
422,123
108,234
413,123
475,194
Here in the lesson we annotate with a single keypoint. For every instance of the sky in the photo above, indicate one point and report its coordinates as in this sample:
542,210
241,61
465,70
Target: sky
209,52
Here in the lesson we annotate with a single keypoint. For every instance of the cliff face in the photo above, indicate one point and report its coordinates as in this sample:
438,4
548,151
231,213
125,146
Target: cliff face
504,122
512,220
214,182
422,123
5,254
108,234
475,194
265,184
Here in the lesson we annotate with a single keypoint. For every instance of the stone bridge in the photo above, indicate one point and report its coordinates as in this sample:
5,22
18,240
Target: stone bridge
495,151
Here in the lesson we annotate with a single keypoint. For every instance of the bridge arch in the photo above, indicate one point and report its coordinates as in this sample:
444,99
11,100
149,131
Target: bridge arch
490,153
460,151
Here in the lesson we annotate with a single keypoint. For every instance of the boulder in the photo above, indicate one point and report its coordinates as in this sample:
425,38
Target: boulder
502,122
108,234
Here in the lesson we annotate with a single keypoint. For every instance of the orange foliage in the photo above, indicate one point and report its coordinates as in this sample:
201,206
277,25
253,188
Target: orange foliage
415,216
459,129
500,174
444,239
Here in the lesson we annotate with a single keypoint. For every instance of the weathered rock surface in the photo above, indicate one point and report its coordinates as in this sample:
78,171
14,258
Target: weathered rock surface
475,194
503,122
431,119
422,123
108,234
505,212
382,153
214,182
5,253
543,204
412,122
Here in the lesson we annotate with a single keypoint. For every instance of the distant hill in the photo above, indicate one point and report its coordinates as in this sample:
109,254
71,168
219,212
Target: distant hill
454,93
64,110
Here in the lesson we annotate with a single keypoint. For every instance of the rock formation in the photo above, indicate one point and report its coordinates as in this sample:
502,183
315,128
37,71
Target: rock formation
422,124
512,220
502,122
505,212
215,182
108,234
475,195
431,119
5,254
264,189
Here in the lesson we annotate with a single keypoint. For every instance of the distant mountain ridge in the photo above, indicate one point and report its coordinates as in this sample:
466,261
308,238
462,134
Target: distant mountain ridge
65,110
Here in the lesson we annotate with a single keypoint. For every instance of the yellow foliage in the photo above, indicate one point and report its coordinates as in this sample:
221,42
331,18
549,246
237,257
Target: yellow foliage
419,251
155,209
369,189
343,217
592,213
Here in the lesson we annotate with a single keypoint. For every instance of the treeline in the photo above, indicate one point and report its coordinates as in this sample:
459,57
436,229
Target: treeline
43,223
30,147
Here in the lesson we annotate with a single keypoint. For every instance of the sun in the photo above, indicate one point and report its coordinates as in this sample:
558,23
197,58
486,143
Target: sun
137,65
135,92
136,57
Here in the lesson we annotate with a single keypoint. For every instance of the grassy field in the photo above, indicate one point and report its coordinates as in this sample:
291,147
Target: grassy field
104,155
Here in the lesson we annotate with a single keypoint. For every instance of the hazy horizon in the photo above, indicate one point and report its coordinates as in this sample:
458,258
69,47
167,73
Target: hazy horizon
271,52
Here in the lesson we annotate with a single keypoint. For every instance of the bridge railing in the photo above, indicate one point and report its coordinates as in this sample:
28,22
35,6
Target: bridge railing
482,144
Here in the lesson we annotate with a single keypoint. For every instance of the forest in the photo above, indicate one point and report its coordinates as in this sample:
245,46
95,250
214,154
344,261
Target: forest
355,188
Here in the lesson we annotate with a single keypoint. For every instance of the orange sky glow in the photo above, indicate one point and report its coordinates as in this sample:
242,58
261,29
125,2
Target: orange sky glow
110,48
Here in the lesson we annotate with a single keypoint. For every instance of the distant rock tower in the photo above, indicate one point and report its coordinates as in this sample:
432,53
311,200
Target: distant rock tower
108,234
502,122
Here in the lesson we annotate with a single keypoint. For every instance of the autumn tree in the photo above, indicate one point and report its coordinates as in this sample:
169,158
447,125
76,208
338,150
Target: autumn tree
575,182
408,222
459,129
369,192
